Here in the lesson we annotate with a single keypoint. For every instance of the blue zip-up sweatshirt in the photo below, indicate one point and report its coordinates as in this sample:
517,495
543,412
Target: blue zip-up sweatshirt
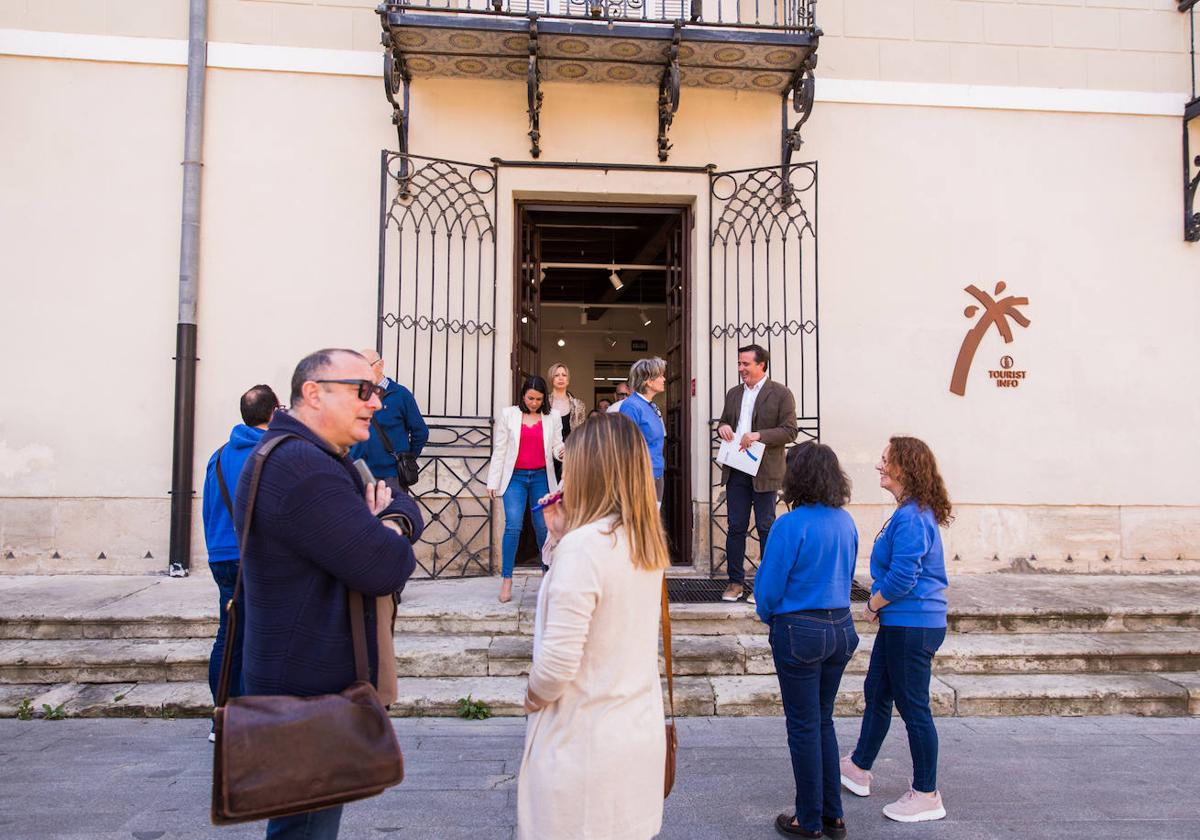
401,419
909,569
641,411
808,563
219,535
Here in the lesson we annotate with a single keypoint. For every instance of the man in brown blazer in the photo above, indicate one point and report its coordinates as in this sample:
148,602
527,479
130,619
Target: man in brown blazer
757,410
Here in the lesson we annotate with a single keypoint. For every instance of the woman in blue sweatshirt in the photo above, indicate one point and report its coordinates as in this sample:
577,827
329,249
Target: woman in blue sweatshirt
802,590
908,600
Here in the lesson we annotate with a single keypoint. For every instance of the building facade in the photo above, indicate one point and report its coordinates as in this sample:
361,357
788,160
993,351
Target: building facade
978,242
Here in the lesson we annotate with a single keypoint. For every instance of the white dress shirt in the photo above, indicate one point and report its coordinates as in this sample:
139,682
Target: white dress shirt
746,416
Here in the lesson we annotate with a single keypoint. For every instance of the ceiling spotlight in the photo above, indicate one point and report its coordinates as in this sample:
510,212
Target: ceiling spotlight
583,319
562,342
644,317
610,341
524,319
615,279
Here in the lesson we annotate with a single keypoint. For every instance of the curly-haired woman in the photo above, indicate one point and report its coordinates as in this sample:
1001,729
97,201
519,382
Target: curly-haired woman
802,591
908,600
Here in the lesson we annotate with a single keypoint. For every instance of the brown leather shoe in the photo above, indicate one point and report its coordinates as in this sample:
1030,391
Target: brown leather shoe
733,592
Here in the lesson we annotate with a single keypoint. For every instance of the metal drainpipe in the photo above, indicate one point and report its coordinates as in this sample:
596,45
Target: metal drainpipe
185,331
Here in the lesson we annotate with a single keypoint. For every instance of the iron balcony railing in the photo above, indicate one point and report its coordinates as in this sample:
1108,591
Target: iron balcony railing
778,14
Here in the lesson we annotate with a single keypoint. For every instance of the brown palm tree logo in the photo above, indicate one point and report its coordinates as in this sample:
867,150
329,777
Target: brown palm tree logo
994,312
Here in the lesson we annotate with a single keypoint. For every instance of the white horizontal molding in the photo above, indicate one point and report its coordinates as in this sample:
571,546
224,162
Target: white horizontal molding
997,97
114,48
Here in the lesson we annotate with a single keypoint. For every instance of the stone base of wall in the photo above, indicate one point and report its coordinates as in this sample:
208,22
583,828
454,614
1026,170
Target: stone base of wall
130,536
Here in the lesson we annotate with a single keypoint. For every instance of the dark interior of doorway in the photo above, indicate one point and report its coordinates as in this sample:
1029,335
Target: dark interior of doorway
616,278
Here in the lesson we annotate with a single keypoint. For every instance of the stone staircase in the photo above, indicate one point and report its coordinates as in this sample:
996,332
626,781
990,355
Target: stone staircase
1017,645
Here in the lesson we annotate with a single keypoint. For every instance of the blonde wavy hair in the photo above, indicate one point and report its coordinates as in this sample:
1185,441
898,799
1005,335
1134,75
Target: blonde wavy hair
606,472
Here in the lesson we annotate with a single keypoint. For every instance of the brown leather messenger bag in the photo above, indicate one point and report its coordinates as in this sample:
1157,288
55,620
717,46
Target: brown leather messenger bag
278,755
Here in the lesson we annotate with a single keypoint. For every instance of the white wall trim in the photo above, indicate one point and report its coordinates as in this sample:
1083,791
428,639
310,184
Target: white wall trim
113,48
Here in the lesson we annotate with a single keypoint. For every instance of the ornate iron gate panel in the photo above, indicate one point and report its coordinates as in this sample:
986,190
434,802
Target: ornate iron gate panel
437,327
762,290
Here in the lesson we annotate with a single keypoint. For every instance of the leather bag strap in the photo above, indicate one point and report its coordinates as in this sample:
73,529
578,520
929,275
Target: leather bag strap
357,631
225,497
666,636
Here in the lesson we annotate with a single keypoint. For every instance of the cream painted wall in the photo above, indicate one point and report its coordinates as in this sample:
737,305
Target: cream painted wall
1079,212
89,267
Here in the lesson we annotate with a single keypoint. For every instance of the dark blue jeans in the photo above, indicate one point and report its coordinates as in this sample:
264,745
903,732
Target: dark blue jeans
900,670
315,825
524,489
225,576
811,650
739,498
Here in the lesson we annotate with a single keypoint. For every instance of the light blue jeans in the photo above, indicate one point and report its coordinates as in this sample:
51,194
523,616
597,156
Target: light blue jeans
525,488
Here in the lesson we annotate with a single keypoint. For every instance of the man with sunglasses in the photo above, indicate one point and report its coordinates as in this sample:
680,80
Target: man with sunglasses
397,430
317,534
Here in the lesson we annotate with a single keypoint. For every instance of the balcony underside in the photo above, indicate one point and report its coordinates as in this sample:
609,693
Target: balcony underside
482,46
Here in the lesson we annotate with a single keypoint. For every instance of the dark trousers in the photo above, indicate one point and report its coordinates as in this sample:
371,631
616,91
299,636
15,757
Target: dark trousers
811,650
900,670
225,576
314,825
739,498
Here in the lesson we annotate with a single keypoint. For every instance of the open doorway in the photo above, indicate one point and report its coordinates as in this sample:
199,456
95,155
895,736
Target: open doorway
596,288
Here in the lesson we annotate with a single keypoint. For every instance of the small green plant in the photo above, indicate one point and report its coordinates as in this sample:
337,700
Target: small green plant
25,709
119,697
469,709
165,712
54,712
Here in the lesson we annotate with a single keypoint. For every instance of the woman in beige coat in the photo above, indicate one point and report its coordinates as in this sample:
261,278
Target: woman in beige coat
595,747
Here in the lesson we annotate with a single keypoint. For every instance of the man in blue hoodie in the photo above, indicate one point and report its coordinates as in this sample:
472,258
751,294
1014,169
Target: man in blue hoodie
220,484
397,426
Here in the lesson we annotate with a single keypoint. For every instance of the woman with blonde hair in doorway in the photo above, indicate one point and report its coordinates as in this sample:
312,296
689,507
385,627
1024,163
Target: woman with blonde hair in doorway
595,750
528,441
571,409
908,601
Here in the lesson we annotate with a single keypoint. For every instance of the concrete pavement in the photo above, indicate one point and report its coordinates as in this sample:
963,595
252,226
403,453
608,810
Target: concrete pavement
1000,777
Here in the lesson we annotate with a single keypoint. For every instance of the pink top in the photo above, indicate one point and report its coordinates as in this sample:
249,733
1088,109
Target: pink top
532,453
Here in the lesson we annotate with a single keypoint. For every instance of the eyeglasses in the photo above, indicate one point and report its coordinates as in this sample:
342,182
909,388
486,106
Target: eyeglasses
366,388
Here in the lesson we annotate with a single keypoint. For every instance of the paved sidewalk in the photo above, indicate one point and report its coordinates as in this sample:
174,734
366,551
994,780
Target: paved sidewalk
1001,778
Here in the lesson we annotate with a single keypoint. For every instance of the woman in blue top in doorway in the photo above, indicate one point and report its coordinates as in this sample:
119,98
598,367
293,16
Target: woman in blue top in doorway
802,591
908,600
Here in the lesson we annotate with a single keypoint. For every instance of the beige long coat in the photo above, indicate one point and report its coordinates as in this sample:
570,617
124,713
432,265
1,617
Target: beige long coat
594,757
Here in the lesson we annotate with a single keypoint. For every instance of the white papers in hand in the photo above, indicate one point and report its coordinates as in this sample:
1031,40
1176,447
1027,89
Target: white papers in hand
745,460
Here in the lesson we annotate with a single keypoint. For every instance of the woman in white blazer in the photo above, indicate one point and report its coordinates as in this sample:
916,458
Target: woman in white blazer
595,747
527,439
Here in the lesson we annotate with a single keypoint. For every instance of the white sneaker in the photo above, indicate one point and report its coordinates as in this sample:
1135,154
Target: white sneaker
915,806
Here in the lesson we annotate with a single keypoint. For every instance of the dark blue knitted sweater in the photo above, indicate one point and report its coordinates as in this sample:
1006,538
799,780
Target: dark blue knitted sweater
312,540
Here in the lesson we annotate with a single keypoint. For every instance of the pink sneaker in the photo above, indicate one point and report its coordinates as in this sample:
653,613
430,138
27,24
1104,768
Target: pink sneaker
915,806
855,779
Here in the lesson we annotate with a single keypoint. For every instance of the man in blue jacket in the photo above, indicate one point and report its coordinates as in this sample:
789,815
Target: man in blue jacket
317,534
399,420
257,404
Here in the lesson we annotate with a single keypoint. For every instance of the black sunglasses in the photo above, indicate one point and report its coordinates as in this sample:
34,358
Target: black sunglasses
366,388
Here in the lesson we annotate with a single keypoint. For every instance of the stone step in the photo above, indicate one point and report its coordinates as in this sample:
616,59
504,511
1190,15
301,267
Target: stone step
424,655
951,695
156,607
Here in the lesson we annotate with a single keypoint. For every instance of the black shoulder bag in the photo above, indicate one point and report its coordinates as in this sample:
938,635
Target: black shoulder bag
407,470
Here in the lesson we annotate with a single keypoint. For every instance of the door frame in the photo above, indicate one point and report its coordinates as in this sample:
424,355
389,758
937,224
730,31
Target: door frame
682,525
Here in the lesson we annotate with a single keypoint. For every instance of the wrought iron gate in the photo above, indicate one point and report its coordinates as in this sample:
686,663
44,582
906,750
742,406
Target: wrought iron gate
762,290
437,327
